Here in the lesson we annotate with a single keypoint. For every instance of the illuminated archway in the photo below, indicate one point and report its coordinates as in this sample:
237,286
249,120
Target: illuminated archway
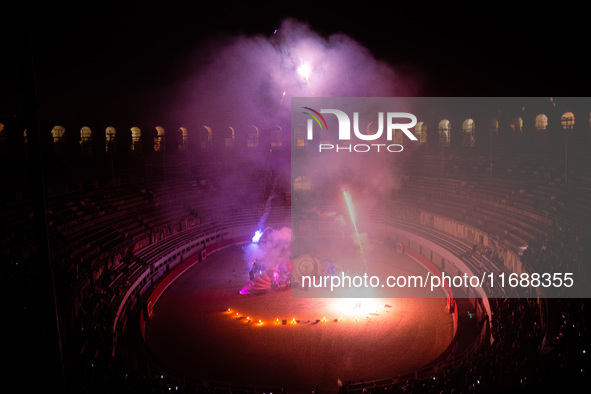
252,140
567,121
444,132
421,132
229,138
469,133
136,134
541,126
85,134
184,145
209,133
517,124
159,139
300,136
86,139
541,122
276,137
302,184
58,132
208,140
493,125
110,134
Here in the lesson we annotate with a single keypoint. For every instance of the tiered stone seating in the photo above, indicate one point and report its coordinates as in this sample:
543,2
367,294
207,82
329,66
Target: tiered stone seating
521,203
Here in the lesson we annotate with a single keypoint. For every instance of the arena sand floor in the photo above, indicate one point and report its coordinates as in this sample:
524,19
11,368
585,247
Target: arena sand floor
192,332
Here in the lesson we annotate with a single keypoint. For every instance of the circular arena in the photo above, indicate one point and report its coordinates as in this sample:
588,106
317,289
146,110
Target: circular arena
151,283
203,327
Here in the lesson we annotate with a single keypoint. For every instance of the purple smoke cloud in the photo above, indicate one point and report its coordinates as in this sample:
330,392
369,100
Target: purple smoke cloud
244,81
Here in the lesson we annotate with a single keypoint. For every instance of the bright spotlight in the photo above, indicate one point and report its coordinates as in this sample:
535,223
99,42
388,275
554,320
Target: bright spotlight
305,70
257,236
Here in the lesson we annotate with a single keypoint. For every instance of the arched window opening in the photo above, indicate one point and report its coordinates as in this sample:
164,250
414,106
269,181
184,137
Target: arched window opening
208,139
58,132
302,184
421,132
136,134
541,122
110,134
567,120
300,136
541,126
252,140
493,130
85,135
276,137
469,133
398,136
229,138
86,139
493,126
184,145
159,139
517,124
444,132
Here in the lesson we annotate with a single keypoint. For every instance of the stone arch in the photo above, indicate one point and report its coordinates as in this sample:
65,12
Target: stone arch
276,137
229,136
184,143
58,133
469,133
567,121
136,135
517,124
160,139
444,132
421,132
252,140
110,134
541,126
541,122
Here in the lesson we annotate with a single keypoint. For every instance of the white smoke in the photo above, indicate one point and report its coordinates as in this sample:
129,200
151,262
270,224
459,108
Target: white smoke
274,249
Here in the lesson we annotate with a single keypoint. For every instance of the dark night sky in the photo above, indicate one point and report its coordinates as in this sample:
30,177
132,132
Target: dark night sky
111,60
